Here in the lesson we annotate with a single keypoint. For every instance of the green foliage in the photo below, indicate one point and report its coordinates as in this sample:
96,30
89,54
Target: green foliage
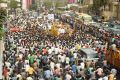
59,3
33,7
48,4
2,1
1,32
13,4
3,14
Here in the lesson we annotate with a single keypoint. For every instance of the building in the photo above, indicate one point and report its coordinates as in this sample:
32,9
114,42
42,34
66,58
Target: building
26,4
116,9
113,10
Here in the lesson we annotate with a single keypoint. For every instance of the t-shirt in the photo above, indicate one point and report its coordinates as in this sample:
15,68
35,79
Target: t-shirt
74,68
32,58
27,67
50,51
82,65
19,76
75,55
68,77
29,78
105,78
52,64
58,65
67,60
47,74
62,58
111,77
99,71
31,70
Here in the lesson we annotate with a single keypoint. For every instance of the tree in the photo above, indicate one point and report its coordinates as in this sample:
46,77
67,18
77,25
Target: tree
2,1
33,7
13,4
48,4
59,3
3,15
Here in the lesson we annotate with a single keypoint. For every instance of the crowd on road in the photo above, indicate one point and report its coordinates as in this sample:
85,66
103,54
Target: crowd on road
44,57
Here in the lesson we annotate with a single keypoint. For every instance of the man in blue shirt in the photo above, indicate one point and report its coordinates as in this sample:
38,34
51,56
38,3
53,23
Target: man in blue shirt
47,74
74,68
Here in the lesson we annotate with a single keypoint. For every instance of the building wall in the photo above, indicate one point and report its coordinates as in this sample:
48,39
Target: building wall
116,10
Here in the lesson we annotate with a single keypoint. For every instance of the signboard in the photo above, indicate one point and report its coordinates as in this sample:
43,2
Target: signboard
50,16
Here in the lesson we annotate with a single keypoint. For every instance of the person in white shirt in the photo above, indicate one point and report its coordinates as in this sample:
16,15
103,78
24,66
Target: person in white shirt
53,48
7,64
75,55
49,51
68,76
99,71
105,77
21,56
100,78
67,60
63,59
56,50
27,66
29,78
19,76
82,65
58,65
52,65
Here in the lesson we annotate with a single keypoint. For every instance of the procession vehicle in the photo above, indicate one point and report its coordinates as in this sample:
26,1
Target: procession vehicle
113,55
61,30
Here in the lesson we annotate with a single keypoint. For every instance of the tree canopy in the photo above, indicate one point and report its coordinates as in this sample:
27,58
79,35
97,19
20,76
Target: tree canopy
3,14
33,7
13,4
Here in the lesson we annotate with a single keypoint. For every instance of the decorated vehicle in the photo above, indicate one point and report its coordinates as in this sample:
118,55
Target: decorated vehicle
59,29
113,57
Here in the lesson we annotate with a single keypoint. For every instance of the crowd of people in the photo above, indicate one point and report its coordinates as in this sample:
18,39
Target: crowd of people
32,55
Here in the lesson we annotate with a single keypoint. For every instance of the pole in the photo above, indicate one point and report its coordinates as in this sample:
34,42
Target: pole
54,5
